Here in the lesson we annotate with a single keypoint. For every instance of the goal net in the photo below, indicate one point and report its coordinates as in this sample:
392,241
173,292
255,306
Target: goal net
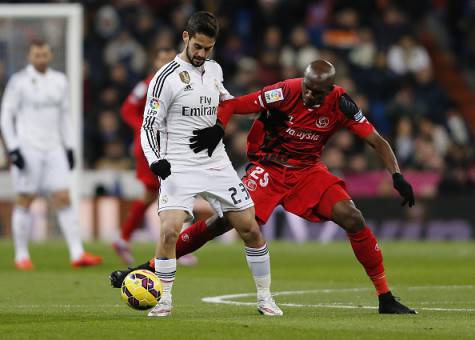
61,26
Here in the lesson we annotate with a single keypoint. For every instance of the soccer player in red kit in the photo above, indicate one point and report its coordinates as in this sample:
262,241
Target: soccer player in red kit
132,113
284,147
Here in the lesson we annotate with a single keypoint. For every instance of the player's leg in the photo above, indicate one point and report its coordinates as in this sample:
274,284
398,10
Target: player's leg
189,240
365,246
21,224
265,189
236,203
56,179
133,221
319,195
171,222
26,183
68,222
257,257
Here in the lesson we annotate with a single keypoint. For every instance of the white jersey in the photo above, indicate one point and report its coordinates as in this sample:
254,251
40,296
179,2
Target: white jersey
182,98
35,110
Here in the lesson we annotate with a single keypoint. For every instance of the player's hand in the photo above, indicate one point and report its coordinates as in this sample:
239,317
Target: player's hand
274,118
17,159
207,138
161,168
404,189
70,157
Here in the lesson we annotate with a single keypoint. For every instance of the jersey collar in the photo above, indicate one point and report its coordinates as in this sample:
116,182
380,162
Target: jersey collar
31,70
189,66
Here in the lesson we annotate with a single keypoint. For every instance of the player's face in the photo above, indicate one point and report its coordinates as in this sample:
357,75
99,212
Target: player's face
40,57
314,92
198,48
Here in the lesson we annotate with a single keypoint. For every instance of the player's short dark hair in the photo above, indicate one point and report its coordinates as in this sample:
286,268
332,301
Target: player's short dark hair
204,23
38,43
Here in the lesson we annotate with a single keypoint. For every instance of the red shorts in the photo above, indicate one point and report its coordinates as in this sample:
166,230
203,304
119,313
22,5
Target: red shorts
309,193
144,174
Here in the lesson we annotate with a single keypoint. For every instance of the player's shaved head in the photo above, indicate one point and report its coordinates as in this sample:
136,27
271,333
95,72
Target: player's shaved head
318,82
320,71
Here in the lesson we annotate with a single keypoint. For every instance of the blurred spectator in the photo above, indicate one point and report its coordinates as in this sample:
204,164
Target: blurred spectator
342,34
124,49
363,54
456,178
107,22
429,98
402,106
391,28
457,127
269,66
298,51
407,56
426,156
404,141
434,133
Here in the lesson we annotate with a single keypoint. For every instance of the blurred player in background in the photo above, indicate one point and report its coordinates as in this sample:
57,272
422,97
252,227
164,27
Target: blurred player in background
36,129
132,113
284,147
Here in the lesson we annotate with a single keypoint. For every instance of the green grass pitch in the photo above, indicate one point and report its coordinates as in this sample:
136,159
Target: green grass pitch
328,295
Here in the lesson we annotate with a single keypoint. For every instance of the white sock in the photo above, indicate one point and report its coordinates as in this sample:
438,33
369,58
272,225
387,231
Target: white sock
21,223
70,228
258,260
165,269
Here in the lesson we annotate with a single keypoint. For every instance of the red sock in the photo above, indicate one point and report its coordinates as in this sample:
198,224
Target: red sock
366,249
134,219
192,238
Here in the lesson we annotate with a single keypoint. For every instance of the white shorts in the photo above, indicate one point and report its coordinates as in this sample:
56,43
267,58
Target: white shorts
45,171
222,188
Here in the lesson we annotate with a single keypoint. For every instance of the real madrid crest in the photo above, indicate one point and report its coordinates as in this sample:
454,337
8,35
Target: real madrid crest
322,122
185,77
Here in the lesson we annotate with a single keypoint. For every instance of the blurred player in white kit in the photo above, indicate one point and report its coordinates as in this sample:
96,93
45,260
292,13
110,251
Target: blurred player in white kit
37,133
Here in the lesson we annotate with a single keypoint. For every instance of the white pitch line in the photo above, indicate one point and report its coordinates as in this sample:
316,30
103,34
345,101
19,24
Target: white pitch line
225,299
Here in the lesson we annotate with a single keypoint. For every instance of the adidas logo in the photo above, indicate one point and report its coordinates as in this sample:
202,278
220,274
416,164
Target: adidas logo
188,88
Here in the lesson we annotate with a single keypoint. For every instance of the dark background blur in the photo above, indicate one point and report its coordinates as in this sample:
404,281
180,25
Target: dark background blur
409,65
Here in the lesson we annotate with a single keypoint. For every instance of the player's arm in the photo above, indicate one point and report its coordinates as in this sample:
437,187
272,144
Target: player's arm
357,123
155,110
10,106
267,100
65,124
132,110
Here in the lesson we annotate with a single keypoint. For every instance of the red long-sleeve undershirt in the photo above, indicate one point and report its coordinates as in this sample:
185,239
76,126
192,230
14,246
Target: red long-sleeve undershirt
243,105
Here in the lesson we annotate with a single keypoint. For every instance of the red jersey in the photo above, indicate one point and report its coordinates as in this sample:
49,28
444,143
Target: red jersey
301,142
132,111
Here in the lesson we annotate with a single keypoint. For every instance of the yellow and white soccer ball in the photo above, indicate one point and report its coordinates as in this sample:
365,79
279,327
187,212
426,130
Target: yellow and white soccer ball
141,289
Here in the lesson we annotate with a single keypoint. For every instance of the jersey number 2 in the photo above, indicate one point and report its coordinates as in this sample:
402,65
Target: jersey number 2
235,192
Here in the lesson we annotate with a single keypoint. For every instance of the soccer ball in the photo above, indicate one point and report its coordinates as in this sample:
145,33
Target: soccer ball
141,289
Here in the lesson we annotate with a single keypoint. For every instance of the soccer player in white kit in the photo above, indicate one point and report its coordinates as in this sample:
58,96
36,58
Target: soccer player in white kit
183,97
36,129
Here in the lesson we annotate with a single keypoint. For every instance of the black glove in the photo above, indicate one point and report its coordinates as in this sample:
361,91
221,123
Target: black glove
70,156
17,159
274,118
207,138
404,189
161,168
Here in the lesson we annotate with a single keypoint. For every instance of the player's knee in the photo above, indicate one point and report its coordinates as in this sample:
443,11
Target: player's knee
250,232
169,234
24,201
61,199
353,220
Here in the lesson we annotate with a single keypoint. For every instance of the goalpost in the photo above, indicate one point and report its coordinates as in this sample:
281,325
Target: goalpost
61,26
